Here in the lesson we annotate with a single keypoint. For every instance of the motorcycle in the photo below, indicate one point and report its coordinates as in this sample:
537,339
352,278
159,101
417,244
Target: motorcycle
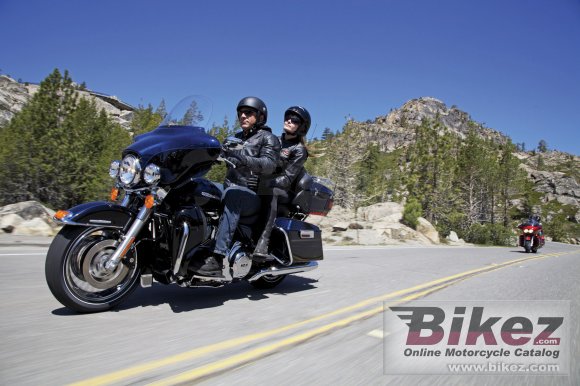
532,237
163,228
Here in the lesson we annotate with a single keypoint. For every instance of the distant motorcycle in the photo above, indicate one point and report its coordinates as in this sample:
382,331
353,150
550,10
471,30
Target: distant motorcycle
532,237
165,224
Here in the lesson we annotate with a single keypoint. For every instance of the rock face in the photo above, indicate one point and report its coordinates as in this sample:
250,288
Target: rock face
561,186
392,131
14,95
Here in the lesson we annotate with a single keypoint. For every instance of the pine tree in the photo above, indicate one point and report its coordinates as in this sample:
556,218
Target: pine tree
218,172
192,117
431,170
54,148
474,172
542,146
161,109
144,120
327,134
34,138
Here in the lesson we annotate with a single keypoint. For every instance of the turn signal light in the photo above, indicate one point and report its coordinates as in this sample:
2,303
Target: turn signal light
149,201
60,214
114,194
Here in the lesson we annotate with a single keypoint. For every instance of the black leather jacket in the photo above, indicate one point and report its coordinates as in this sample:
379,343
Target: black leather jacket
291,164
259,158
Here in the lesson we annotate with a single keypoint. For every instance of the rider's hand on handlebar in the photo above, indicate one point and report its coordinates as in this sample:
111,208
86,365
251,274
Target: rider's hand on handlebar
235,161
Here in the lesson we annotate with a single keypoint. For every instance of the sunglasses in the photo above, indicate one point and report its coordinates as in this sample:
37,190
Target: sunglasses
293,118
246,112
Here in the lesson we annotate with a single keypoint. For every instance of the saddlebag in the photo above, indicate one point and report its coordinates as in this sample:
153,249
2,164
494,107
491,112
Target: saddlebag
305,239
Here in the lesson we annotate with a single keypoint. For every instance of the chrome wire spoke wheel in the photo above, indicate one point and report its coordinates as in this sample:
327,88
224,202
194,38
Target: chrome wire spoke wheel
85,274
271,278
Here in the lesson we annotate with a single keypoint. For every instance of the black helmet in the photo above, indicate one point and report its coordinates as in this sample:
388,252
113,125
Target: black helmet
535,217
304,115
256,104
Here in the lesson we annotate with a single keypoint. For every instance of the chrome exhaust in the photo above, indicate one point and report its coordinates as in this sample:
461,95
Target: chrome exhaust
277,271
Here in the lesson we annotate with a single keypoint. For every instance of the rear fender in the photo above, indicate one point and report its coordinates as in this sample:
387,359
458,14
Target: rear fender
99,214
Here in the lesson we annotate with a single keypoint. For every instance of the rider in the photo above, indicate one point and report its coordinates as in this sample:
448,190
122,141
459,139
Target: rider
534,220
249,171
290,166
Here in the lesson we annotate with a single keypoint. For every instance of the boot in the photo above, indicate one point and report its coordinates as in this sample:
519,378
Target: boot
262,247
212,266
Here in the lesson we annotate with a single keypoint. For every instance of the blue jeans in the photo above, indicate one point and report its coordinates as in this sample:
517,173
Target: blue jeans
238,201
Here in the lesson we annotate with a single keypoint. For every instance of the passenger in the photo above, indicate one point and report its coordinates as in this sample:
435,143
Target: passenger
254,166
290,165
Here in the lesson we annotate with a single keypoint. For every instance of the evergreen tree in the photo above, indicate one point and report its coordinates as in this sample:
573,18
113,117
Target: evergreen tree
144,120
161,109
33,137
218,172
369,176
542,146
192,116
540,164
431,170
474,178
55,144
327,134
510,180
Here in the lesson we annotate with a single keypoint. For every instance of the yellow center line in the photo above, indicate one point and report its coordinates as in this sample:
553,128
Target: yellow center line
232,343
248,356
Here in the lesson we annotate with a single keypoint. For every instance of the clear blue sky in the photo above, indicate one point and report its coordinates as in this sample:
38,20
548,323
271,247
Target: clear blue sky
513,65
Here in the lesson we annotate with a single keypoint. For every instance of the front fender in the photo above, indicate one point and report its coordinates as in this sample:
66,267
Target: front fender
99,213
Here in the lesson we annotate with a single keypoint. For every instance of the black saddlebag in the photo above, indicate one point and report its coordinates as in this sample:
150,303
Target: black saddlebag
305,239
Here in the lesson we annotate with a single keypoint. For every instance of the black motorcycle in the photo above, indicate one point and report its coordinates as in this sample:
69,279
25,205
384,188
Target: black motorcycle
163,227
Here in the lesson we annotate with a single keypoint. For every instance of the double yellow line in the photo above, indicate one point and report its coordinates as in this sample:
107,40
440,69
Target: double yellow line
402,296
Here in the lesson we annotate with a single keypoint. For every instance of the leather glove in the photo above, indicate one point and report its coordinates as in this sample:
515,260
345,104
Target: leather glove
238,156
252,182
233,161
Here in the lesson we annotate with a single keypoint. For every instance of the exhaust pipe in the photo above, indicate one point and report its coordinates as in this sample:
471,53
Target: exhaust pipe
277,271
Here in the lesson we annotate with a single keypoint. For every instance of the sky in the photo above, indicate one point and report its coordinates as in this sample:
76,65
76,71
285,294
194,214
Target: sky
513,65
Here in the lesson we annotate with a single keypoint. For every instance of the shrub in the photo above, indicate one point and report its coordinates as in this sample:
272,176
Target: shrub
411,213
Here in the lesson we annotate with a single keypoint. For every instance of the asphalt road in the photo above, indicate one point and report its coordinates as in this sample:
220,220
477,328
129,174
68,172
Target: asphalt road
323,327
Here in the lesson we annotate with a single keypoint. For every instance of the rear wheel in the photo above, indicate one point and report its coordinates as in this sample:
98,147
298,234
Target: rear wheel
267,281
75,269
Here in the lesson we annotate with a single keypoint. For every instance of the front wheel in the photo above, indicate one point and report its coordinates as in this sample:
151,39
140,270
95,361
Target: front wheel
75,270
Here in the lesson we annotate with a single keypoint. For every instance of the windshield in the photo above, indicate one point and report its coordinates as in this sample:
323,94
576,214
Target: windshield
194,110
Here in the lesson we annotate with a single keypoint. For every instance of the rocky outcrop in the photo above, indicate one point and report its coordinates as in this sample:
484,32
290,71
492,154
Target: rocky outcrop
14,95
377,224
393,131
557,177
27,218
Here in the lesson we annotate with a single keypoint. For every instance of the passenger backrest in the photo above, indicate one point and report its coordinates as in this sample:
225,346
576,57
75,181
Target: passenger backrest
302,194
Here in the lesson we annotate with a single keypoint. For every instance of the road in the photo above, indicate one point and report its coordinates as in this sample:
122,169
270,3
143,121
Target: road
323,327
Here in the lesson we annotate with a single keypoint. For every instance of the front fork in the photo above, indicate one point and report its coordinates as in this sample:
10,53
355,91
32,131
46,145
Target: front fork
128,239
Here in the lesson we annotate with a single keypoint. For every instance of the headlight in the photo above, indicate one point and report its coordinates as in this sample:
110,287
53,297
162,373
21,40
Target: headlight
152,174
130,171
114,169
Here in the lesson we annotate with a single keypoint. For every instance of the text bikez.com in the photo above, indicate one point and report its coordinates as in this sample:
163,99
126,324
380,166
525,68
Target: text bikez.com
427,328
